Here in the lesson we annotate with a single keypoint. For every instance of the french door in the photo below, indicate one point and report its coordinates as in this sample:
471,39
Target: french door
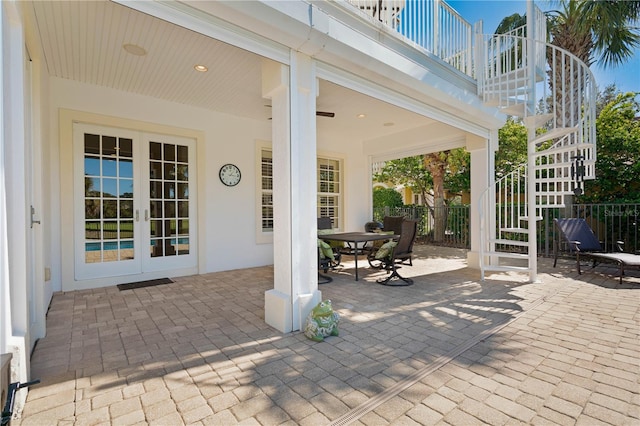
134,202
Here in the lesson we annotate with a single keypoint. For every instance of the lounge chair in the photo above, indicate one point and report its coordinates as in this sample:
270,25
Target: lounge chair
391,254
579,238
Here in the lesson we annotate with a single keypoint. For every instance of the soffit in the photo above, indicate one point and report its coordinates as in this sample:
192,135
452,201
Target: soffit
83,41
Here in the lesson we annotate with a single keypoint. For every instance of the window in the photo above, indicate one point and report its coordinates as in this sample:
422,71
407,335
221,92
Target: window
329,183
266,205
329,178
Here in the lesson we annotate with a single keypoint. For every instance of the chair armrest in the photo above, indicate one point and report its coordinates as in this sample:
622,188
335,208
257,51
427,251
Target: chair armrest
620,246
576,245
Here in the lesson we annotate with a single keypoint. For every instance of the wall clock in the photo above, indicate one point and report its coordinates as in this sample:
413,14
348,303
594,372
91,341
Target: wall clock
229,174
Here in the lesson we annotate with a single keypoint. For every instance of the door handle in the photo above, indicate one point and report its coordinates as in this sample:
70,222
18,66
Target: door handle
137,215
33,213
146,215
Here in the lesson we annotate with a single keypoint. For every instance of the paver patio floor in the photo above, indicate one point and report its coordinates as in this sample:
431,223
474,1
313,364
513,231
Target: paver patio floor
448,350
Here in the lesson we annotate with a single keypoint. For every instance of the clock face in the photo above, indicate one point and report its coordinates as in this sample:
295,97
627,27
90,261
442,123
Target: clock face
230,174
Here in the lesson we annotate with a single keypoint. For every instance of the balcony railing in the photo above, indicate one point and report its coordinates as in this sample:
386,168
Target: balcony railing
432,25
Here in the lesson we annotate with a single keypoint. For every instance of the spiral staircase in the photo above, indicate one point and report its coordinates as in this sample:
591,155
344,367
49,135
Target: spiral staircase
553,92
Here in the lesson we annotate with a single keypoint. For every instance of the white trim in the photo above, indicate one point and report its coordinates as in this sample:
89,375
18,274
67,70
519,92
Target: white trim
211,26
67,118
267,237
362,85
262,237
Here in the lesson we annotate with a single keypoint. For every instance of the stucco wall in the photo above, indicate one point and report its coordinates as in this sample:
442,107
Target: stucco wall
227,228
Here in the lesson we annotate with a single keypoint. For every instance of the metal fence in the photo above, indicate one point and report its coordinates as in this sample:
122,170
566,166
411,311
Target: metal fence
456,233
610,222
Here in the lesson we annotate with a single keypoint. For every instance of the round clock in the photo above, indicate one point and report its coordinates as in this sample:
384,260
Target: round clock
229,174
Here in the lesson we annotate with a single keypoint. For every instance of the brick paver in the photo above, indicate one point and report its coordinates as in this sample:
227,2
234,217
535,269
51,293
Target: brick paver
447,350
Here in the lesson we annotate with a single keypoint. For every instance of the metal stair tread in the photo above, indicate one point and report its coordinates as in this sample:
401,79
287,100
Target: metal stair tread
517,230
562,149
506,254
504,268
509,242
557,132
527,217
537,120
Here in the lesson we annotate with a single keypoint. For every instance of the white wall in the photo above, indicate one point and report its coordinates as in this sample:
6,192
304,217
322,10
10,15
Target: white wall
230,219
228,228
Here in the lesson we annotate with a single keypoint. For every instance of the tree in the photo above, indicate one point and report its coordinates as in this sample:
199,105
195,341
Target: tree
436,163
618,161
458,178
386,197
603,98
512,147
409,172
430,174
602,32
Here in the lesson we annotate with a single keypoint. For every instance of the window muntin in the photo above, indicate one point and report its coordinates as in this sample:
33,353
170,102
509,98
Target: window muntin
329,186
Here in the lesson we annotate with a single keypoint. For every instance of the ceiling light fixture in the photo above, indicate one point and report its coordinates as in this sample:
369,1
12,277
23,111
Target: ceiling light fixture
134,49
200,68
389,124
361,115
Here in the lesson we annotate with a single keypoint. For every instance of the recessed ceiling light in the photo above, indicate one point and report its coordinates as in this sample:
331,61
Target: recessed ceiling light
389,124
361,115
134,49
200,68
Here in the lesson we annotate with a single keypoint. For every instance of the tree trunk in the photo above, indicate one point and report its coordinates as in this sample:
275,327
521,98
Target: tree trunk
436,163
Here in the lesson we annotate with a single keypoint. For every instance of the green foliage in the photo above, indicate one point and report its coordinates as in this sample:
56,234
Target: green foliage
386,197
410,172
618,146
414,172
512,147
458,178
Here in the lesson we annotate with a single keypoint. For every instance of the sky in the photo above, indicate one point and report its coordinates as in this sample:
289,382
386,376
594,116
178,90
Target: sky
491,12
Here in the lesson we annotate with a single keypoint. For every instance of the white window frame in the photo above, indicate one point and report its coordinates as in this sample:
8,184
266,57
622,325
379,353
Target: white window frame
266,237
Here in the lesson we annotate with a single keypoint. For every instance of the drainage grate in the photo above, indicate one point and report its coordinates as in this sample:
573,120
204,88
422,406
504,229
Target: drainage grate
404,384
148,283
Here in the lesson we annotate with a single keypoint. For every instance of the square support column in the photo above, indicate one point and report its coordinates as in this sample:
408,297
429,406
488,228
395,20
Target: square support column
293,92
482,176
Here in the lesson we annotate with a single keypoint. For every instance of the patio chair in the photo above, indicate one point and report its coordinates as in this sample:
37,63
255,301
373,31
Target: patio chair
391,225
392,254
580,239
325,226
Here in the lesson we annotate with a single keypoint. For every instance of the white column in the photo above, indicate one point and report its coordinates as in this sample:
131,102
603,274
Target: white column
293,92
482,172
13,202
531,148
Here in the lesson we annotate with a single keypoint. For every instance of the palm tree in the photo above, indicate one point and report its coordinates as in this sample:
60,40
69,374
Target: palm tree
602,32
595,31
607,29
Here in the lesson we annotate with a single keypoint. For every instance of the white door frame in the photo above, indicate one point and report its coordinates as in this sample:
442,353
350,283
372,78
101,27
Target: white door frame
142,261
67,119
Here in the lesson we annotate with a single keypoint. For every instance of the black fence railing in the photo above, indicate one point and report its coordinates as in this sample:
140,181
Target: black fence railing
610,222
456,233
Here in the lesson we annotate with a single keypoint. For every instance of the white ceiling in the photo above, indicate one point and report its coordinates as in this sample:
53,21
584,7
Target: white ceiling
83,41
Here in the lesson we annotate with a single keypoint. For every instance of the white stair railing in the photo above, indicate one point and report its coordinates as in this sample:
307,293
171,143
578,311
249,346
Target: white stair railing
554,93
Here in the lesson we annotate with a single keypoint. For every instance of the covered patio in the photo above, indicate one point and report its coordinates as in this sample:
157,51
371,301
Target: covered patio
447,350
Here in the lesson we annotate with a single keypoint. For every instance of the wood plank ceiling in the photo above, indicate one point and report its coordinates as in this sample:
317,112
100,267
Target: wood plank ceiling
84,41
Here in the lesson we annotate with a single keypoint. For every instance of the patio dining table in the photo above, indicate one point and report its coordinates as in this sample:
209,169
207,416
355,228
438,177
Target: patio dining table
357,238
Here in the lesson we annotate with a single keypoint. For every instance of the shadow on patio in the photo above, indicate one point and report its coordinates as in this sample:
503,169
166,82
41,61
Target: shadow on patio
198,350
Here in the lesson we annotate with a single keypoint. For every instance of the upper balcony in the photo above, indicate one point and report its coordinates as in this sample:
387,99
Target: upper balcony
429,25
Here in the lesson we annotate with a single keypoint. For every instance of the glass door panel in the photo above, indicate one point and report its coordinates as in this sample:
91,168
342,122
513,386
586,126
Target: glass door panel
169,226
134,210
168,199
108,198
